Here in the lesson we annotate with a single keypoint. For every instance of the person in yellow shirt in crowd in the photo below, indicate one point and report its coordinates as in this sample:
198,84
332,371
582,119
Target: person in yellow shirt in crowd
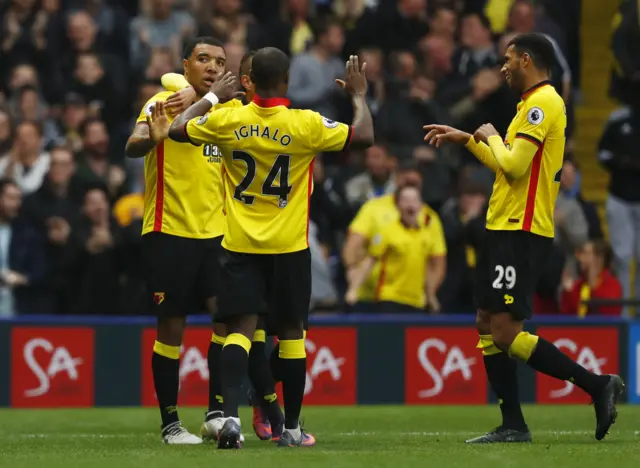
370,221
402,248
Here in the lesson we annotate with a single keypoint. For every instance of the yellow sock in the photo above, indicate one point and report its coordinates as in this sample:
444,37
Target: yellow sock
218,339
238,339
487,346
170,352
292,349
260,336
523,346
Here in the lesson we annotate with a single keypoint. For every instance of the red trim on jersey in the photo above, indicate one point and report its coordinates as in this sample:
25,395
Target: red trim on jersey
533,188
383,272
224,190
270,102
347,142
529,138
530,91
157,223
309,185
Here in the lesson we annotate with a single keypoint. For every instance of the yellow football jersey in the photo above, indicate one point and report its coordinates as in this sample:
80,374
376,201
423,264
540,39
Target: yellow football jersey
183,185
268,152
374,216
528,203
402,254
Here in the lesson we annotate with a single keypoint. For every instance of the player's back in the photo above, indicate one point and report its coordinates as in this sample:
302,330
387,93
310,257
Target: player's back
528,203
268,152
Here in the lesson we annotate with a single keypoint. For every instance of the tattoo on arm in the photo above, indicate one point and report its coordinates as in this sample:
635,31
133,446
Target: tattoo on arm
140,142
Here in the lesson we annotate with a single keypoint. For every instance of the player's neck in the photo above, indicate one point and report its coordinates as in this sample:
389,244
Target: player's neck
268,94
533,82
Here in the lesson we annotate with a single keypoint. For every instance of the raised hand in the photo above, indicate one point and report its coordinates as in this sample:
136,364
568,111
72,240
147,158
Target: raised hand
158,123
437,134
226,87
355,82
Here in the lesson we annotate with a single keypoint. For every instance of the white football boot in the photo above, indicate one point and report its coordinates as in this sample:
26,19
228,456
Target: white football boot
175,434
212,427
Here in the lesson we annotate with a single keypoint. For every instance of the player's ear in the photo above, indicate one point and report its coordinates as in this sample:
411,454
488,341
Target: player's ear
185,66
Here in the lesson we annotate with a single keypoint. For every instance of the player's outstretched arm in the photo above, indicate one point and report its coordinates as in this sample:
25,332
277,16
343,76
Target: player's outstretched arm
437,134
356,84
222,90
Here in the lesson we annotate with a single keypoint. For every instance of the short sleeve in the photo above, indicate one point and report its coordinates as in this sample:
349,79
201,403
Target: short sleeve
327,135
363,223
541,114
205,129
146,109
378,245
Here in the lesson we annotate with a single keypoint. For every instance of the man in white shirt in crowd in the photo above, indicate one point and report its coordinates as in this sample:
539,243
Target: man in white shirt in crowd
26,163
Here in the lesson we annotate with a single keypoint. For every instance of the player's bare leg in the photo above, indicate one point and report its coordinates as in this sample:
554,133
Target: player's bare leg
293,370
502,374
234,361
165,365
543,356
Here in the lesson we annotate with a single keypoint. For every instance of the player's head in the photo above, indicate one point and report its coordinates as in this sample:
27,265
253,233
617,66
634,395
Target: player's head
247,84
270,72
409,202
527,61
408,173
204,61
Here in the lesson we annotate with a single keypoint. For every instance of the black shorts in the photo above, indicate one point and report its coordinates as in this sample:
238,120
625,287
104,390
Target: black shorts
277,286
508,269
181,273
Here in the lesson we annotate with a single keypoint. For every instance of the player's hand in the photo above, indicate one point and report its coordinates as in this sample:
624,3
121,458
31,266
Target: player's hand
434,305
355,82
180,101
351,297
484,132
158,123
437,134
226,88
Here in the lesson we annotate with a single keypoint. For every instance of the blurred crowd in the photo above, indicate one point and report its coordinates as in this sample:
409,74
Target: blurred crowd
75,74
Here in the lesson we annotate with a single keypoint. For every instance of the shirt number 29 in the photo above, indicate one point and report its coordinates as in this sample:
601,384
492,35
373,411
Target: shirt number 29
505,276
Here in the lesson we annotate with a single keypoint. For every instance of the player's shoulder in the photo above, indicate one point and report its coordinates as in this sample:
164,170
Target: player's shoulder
546,103
161,96
313,117
231,104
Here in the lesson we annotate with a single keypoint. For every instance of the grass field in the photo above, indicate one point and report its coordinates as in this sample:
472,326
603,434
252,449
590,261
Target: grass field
369,437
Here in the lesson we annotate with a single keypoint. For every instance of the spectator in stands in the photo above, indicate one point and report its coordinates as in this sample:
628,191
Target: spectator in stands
160,62
112,24
74,113
375,181
572,230
26,163
596,281
404,249
313,74
20,76
375,78
570,186
95,166
618,153
444,22
463,220
291,30
97,264
163,27
625,76
231,25
6,131
21,34
31,106
22,257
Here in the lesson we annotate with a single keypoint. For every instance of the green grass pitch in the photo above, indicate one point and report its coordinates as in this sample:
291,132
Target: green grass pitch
365,436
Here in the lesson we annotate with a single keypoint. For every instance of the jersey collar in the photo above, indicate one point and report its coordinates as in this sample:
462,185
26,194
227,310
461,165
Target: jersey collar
531,90
270,102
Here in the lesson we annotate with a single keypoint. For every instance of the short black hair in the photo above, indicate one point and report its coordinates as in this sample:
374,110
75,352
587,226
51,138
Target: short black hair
484,20
408,165
32,123
192,43
538,47
245,58
84,126
322,25
269,68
